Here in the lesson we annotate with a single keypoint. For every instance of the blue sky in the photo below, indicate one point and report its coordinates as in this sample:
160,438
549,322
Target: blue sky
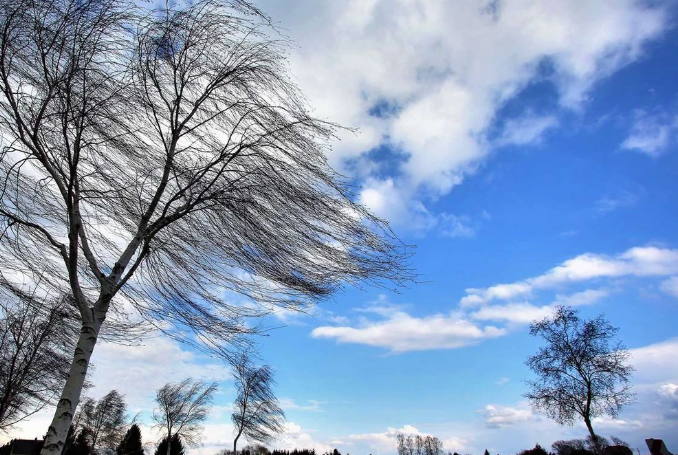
530,152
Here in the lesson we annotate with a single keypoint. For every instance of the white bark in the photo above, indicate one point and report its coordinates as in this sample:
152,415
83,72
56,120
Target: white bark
57,433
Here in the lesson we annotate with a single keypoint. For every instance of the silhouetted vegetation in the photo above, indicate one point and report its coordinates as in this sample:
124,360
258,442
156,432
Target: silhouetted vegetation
131,443
257,414
175,448
581,371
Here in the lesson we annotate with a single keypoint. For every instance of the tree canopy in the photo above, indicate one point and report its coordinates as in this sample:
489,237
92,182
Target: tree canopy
582,372
166,159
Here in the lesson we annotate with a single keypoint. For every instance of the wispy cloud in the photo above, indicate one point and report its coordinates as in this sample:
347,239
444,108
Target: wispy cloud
652,133
498,310
607,204
527,130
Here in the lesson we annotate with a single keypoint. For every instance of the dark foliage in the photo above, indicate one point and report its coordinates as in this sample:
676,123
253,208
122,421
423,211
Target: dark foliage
294,452
176,448
537,450
131,443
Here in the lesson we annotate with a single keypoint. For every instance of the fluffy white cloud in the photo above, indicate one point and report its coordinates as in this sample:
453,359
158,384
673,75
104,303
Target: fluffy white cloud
138,371
638,261
428,78
503,416
400,332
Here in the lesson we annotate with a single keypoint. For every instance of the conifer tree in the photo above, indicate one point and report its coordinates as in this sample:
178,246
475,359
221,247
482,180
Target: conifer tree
131,442
176,448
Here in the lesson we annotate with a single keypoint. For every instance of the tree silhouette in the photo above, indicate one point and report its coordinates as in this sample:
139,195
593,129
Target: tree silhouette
257,413
182,408
104,419
36,341
175,448
154,164
131,442
581,371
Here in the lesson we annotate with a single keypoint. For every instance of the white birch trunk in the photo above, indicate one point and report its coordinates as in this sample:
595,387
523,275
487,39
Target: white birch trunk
55,440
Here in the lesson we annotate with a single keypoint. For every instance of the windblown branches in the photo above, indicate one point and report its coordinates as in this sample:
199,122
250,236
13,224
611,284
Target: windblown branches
174,162
166,159
257,413
36,341
579,372
182,408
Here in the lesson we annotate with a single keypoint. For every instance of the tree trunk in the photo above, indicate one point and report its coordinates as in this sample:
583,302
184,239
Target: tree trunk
169,442
55,440
594,438
235,443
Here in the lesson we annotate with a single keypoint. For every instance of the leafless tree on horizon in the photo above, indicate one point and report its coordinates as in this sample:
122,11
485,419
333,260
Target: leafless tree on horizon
581,371
257,413
167,160
182,408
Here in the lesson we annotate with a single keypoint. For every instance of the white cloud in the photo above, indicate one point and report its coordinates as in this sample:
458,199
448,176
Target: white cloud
651,133
138,371
656,364
638,261
670,286
503,416
502,381
401,332
522,313
442,71
289,404
527,130
586,297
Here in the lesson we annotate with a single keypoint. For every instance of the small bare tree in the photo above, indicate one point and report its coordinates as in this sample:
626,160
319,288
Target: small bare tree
581,371
104,420
257,413
182,408
36,339
154,163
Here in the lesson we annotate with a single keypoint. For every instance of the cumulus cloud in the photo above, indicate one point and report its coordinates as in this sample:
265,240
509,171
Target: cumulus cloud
427,78
503,416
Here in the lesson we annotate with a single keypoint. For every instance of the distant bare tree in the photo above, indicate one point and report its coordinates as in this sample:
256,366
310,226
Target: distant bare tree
182,408
418,445
104,420
581,371
36,341
166,159
257,413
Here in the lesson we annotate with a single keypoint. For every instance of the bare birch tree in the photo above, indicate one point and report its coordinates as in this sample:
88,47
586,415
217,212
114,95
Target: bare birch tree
104,419
165,159
257,414
36,338
581,371
182,408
